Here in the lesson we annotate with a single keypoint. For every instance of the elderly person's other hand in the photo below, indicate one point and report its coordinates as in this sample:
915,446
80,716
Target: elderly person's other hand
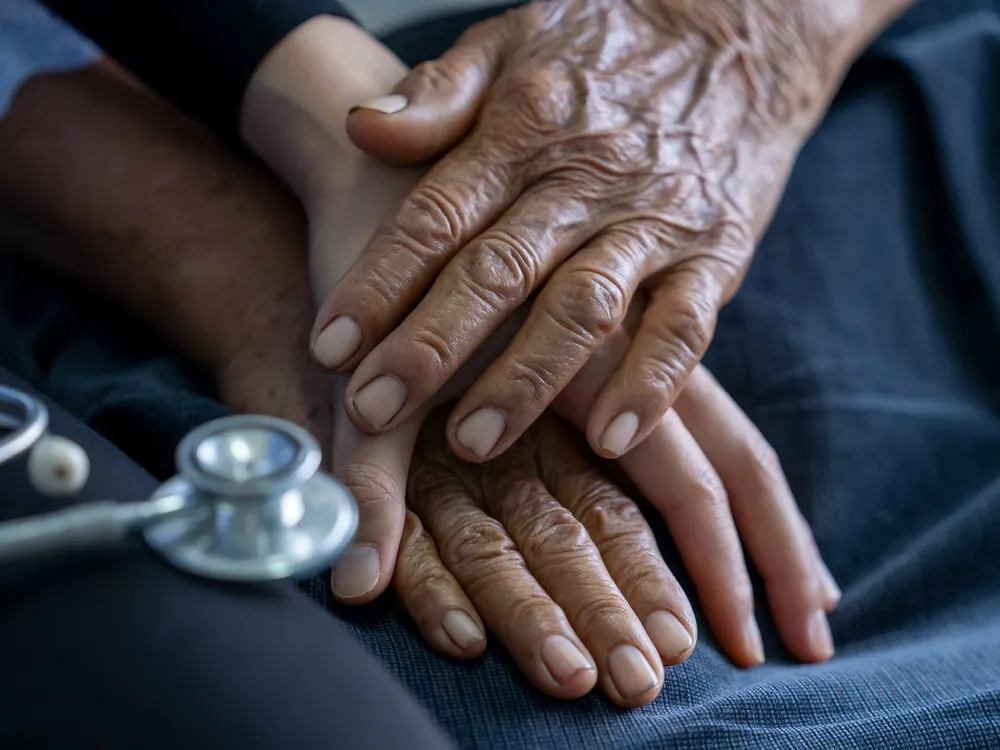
609,145
555,560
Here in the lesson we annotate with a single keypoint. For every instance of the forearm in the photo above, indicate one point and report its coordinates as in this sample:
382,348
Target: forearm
198,54
201,245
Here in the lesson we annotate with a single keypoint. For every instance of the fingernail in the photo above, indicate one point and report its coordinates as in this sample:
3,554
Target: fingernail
337,342
462,629
831,591
820,636
754,643
562,658
630,672
380,400
356,572
387,105
481,431
620,432
669,636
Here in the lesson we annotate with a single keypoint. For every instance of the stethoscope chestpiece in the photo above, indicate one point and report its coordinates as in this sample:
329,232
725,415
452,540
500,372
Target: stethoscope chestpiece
251,503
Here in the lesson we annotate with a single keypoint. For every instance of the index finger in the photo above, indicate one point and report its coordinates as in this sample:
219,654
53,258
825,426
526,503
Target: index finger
456,201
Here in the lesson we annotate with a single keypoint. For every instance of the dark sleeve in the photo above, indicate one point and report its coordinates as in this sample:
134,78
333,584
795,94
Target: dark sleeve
95,648
200,54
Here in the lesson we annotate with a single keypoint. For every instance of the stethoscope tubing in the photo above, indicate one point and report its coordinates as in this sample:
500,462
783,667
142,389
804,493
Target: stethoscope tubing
25,430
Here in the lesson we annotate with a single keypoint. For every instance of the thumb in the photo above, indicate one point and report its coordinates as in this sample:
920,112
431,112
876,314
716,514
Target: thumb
375,469
434,107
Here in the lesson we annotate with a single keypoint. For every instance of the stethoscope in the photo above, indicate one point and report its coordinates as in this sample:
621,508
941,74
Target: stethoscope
249,502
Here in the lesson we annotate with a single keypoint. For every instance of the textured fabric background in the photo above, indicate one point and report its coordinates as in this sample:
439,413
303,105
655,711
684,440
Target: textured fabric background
864,344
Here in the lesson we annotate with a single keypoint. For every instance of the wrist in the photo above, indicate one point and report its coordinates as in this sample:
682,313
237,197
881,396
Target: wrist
297,101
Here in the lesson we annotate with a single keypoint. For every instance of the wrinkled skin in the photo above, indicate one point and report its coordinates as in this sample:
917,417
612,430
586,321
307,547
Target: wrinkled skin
611,146
550,556
704,467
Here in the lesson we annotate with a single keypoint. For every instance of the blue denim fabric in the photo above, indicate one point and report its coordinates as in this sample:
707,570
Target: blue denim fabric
865,343
33,41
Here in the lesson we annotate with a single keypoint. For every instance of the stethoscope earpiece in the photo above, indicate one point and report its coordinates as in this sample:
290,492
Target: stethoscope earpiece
57,466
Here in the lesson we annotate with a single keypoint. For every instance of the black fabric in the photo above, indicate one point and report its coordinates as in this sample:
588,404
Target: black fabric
200,54
126,385
118,651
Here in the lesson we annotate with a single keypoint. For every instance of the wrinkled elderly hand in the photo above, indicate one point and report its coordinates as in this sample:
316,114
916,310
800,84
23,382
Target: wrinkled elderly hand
611,145
555,560
705,467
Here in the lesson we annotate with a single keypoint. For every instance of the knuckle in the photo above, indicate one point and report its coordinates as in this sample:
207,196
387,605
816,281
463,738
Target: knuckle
534,378
763,462
423,585
503,266
425,579
478,543
661,373
600,611
435,353
608,514
381,281
426,582
554,535
370,484
414,564
682,338
692,323
523,610
542,98
646,573
430,222
709,491
590,304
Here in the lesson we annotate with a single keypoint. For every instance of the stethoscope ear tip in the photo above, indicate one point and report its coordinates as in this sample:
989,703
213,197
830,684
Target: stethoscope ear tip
57,466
